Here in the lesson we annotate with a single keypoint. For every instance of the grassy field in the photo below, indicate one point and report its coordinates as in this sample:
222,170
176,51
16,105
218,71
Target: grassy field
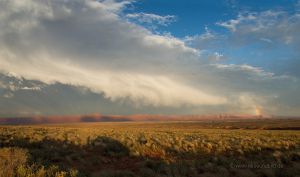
245,148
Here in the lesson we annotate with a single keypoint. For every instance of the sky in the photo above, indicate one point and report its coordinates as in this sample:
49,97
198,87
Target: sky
149,57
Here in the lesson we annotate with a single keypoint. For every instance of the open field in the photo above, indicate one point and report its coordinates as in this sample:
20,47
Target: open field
147,149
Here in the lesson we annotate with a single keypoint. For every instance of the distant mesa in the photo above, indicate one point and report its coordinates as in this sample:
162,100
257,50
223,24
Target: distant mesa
122,118
103,119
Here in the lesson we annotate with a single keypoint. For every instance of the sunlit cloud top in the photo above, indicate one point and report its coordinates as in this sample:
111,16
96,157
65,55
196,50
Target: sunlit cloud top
136,60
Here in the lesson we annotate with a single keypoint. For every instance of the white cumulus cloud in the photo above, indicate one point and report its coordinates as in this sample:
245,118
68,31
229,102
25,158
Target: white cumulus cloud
152,18
88,43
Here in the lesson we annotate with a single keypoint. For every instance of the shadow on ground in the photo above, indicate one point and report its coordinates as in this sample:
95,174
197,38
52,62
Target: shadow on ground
107,157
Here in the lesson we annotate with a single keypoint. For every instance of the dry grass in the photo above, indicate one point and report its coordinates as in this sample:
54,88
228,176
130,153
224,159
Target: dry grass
152,149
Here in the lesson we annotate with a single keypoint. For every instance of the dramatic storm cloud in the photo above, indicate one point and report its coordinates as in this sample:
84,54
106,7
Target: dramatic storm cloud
94,45
86,43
